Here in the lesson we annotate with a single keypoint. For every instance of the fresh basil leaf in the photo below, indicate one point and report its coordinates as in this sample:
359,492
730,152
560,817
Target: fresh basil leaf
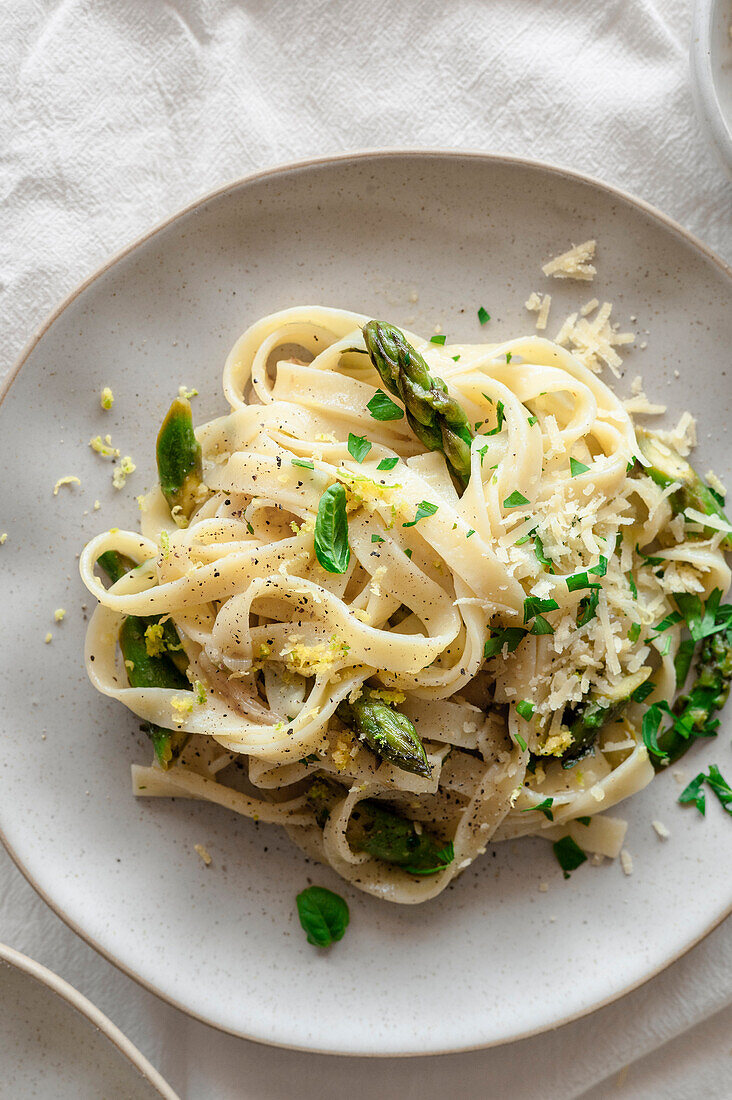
695,793
509,637
331,531
382,407
323,915
515,500
387,464
569,855
721,787
424,510
544,807
576,468
358,446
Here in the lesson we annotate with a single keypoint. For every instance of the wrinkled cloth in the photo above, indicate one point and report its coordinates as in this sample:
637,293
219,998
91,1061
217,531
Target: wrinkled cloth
114,113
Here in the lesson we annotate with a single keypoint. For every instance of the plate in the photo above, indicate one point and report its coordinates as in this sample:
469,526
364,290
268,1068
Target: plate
711,72
421,238
56,1044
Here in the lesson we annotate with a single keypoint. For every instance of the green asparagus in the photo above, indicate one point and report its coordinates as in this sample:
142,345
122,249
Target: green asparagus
588,717
666,467
436,419
381,832
694,712
180,467
144,670
386,731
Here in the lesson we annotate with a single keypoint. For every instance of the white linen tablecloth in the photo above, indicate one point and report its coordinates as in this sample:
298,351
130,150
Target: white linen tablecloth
113,113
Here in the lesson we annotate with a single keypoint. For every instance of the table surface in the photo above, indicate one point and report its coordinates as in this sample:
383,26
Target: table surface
114,116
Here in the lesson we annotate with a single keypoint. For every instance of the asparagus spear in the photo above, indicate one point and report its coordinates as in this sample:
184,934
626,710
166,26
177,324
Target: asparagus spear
594,712
382,832
708,694
436,419
180,468
665,468
386,731
144,670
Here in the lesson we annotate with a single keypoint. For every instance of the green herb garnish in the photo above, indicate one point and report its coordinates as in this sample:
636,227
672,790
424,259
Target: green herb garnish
525,709
510,637
576,468
387,464
515,500
306,465
382,407
569,855
331,531
323,915
483,316
424,510
358,446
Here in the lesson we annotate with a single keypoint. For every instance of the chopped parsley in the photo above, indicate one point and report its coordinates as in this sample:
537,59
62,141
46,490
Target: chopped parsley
440,338
634,632
525,709
515,500
500,417
520,742
642,692
382,407
387,464
306,465
532,420
408,553
483,315
470,532
632,586
534,604
583,820
569,855
250,529
358,446
376,538
587,607
580,580
544,807
510,637
600,569
694,792
539,552
576,468
509,357
424,509
541,626
455,358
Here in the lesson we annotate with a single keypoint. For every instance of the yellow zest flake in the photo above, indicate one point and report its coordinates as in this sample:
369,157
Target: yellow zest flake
154,643
3,538
364,491
129,665
180,708
122,472
107,398
263,651
556,745
49,638
186,394
375,587
142,502
199,849
325,437
165,544
69,480
104,446
59,614
97,505
362,616
313,660
391,698
200,693
344,752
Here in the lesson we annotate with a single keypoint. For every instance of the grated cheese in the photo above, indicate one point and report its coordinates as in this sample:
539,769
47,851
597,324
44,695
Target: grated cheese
3,538
626,861
574,264
661,830
714,483
203,852
594,342
539,303
122,472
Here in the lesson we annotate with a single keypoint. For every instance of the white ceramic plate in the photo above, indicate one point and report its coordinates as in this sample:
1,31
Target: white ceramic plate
56,1044
493,958
711,72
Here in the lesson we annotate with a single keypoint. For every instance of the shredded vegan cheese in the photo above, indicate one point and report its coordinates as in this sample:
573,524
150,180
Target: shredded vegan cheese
574,264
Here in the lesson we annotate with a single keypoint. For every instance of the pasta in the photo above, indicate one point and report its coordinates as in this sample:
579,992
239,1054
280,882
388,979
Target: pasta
491,618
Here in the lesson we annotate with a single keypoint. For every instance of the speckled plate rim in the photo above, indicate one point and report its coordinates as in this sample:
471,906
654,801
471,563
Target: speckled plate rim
94,1015
360,156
